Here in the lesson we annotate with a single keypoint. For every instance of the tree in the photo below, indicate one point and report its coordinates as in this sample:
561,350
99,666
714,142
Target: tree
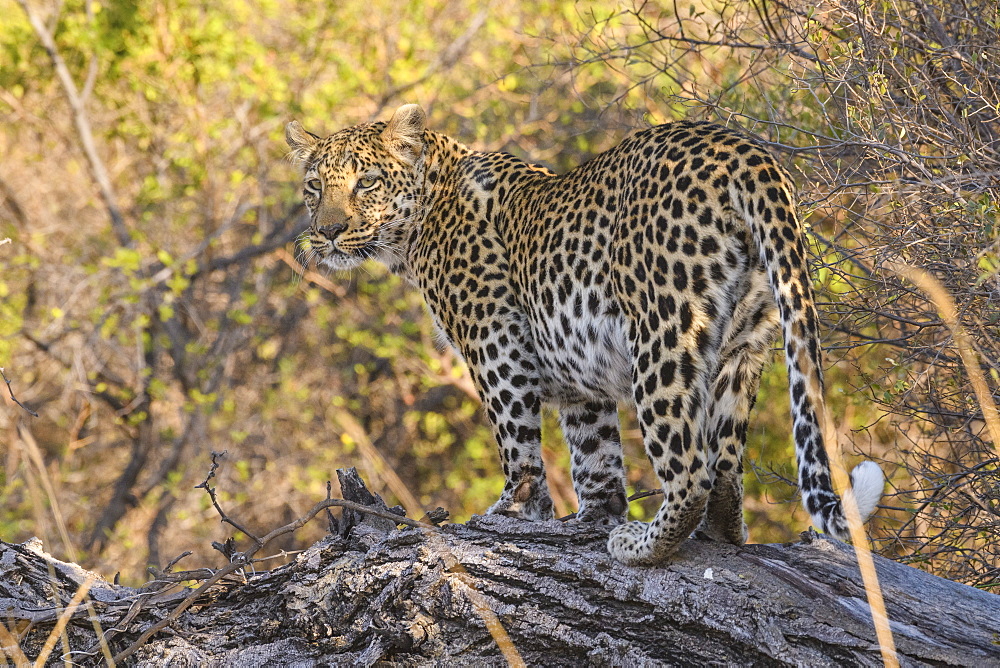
499,589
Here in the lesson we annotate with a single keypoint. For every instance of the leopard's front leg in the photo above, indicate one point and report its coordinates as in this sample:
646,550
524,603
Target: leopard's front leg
505,370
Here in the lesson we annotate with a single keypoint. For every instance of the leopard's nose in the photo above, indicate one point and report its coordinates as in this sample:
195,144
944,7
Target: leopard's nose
331,232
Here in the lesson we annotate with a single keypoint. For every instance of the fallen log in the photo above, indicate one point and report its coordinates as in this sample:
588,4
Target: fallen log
495,589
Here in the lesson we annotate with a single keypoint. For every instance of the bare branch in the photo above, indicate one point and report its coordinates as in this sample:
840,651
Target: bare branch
86,136
215,501
13,398
245,558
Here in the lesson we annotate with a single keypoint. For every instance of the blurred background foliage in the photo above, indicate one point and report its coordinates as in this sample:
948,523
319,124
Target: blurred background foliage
158,313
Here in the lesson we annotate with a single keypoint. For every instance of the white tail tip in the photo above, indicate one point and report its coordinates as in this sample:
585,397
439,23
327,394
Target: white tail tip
867,483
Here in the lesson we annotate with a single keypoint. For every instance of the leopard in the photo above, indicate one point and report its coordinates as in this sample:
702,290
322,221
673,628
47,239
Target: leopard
656,276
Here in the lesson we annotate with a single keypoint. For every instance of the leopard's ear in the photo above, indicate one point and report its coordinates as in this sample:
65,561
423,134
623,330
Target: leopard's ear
300,141
404,134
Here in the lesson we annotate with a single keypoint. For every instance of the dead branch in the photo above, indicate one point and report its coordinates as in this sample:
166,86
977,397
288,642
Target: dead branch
415,597
12,397
204,484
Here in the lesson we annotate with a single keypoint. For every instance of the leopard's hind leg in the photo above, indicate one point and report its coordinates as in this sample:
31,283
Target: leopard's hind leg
591,431
670,385
734,393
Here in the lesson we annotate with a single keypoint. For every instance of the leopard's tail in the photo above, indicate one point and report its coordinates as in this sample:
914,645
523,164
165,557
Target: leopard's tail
776,230
867,483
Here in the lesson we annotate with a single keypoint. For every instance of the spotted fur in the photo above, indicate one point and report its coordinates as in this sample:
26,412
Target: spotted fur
658,273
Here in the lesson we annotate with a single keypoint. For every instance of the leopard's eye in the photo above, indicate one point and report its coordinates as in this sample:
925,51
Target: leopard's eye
367,182
314,184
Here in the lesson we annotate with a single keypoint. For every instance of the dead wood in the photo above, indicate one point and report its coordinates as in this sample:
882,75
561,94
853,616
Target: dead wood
420,595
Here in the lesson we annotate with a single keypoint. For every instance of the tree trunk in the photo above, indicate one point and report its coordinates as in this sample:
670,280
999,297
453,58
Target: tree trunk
417,596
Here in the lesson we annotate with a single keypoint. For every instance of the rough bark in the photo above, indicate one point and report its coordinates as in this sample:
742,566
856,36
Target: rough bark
414,596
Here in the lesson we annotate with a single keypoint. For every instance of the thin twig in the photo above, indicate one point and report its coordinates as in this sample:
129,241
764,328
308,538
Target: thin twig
215,501
336,503
173,562
13,398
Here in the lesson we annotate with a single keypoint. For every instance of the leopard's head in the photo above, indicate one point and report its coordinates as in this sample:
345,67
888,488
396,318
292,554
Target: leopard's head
362,187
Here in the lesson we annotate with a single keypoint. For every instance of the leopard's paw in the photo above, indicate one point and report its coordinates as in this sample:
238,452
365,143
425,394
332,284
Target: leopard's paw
528,501
630,544
607,512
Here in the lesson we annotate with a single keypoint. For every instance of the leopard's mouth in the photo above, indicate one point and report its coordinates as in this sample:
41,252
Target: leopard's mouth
348,253
335,258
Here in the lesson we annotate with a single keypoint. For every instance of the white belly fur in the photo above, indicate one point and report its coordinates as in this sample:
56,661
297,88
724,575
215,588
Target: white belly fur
590,361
